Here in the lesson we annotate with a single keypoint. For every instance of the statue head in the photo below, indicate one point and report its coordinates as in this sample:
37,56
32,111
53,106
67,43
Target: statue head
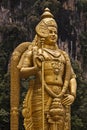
47,27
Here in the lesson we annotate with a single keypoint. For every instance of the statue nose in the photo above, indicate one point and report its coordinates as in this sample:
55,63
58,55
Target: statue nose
53,34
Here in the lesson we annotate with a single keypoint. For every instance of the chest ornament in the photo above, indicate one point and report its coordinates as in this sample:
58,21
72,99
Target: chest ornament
57,66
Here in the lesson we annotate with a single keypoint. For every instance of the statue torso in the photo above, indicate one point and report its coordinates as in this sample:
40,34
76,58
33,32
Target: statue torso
53,67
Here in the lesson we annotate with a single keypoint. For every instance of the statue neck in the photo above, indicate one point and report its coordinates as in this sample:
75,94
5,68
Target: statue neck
52,47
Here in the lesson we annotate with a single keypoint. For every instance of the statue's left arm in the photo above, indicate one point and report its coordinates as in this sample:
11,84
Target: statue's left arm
73,84
69,98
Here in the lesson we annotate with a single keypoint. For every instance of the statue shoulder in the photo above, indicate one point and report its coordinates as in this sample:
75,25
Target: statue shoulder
65,54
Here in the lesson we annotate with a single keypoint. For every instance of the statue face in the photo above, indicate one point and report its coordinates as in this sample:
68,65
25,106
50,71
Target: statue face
52,37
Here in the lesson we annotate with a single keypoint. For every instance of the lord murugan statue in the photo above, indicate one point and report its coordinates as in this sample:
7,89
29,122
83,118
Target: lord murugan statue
52,81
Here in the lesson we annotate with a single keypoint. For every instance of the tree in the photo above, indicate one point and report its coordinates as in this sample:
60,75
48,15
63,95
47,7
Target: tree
80,105
4,102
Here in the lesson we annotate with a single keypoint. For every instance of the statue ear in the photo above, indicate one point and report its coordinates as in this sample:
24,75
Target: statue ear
42,29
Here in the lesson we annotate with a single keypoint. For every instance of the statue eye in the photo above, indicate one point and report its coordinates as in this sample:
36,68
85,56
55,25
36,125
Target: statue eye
50,31
55,32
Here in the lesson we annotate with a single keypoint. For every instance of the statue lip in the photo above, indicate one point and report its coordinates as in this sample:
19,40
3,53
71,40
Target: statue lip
53,38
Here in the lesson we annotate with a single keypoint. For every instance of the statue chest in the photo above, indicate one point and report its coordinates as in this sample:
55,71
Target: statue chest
53,66
54,61
54,72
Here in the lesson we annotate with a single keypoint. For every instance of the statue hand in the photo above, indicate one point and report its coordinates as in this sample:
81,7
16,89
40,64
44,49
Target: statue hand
39,59
68,100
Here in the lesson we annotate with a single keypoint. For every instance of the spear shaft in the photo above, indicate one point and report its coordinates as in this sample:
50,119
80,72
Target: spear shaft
42,89
43,94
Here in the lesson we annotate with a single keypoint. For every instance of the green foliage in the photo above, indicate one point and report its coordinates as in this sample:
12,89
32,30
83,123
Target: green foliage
4,3
13,34
83,43
79,108
82,5
4,101
52,4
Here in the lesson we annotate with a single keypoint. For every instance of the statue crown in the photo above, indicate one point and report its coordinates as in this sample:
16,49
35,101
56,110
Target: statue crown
46,14
47,20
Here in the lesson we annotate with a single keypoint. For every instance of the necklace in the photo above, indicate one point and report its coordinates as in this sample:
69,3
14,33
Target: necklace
54,53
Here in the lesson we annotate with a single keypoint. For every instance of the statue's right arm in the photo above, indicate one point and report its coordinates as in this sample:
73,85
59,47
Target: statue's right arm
28,68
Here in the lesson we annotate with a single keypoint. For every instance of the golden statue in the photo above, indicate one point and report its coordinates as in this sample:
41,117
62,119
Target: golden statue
52,84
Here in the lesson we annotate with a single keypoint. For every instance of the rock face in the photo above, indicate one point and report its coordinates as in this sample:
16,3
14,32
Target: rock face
69,4
4,16
74,46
